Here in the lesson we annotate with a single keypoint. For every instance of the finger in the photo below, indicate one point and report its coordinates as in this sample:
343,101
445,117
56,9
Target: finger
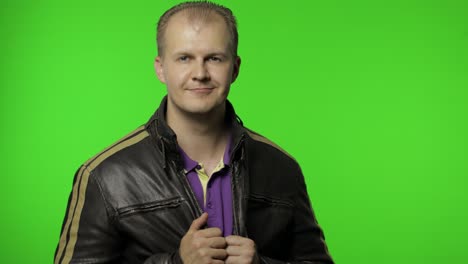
199,222
217,242
240,253
209,232
234,250
236,240
215,253
232,260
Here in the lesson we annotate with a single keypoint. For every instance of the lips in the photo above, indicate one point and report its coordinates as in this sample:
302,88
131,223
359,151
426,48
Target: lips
201,89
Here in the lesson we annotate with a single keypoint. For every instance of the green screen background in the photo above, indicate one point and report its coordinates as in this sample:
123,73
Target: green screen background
369,96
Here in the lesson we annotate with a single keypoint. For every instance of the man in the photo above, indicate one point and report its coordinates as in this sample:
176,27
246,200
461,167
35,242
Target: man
192,185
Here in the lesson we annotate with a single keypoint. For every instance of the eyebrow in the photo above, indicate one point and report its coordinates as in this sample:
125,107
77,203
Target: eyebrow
210,54
222,54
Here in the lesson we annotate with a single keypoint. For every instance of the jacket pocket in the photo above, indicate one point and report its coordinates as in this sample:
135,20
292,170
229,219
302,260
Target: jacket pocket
149,207
157,226
269,200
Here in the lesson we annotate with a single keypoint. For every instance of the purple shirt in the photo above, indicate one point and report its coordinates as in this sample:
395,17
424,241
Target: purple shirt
218,192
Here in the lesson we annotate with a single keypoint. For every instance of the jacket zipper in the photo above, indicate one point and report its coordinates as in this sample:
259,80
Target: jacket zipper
236,199
188,190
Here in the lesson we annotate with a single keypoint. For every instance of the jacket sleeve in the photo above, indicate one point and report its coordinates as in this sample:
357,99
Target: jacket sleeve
89,232
165,258
308,241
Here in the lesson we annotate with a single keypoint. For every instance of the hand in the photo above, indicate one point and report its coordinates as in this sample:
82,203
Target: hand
202,245
241,250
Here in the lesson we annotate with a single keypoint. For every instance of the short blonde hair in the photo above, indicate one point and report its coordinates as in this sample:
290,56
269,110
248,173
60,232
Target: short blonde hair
199,10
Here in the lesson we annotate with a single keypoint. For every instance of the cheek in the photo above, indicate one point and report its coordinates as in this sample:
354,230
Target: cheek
176,76
223,74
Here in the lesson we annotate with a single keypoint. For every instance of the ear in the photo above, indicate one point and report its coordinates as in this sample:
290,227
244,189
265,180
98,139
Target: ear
235,72
158,68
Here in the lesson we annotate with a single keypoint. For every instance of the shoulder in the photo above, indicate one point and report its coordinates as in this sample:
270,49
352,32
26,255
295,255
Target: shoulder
117,149
122,165
266,147
274,172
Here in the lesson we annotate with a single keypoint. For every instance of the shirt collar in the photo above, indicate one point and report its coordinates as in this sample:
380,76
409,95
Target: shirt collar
189,164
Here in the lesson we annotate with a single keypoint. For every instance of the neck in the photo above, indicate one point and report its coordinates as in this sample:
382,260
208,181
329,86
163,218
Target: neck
203,137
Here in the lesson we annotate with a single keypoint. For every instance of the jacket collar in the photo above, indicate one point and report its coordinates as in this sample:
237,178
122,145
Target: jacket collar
166,139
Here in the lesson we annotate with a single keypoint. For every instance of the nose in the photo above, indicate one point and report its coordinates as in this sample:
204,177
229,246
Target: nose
200,72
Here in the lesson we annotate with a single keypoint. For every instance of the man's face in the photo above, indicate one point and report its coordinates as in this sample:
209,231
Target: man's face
197,65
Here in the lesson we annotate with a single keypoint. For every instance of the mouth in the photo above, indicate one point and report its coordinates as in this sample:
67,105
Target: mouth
201,89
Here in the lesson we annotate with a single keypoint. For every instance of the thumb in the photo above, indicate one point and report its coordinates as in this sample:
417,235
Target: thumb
199,222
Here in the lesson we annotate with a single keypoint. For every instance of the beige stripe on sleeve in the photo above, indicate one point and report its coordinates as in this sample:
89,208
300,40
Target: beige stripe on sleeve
70,214
78,196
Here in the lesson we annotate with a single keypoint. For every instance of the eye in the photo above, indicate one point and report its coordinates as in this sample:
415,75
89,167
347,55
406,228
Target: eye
183,58
215,59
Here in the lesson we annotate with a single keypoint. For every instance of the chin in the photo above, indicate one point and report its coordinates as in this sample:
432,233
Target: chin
198,106
199,110
202,108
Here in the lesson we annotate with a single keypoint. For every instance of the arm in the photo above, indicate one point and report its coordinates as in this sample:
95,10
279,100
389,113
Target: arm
308,244
89,231
304,244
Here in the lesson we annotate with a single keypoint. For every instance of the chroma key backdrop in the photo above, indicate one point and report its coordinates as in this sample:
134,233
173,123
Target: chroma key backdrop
369,96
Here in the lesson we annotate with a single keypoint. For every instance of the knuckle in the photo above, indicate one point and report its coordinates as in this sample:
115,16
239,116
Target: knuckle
223,244
202,252
224,254
197,243
217,231
250,243
206,259
196,234
221,241
246,260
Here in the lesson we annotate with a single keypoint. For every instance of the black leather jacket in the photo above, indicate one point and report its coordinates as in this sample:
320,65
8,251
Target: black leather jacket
132,203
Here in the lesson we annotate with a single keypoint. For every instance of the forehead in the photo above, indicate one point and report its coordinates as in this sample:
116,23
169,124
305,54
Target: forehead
186,31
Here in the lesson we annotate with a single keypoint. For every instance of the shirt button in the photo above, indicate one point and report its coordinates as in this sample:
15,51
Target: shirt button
209,204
